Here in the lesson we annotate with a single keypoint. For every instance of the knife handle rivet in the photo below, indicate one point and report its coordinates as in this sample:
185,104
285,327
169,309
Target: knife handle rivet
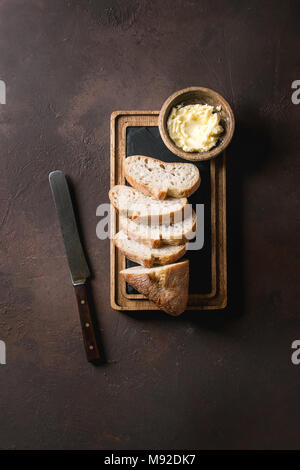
87,325
82,302
91,347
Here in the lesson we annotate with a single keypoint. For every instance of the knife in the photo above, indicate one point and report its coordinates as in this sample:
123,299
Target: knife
77,263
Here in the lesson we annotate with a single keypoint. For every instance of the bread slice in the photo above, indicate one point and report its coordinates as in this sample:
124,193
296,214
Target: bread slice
134,204
159,179
148,257
156,235
167,286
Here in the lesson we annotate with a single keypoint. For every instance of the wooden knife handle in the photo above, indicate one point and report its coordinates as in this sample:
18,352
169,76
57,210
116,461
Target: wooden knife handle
88,330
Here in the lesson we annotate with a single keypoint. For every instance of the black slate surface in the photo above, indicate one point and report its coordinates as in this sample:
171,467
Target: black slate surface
147,141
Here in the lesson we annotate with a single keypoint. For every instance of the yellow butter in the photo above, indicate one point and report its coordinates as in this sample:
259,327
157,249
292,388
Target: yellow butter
194,127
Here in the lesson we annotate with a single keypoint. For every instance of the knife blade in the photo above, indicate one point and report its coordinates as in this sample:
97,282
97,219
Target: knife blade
78,266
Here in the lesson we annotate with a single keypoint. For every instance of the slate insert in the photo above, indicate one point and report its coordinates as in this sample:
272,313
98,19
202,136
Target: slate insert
147,141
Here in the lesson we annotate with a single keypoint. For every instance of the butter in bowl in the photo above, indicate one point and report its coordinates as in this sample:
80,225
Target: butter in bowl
196,123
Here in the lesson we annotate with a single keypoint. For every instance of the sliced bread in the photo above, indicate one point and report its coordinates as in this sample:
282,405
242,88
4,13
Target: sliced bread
148,257
134,204
159,179
156,235
166,286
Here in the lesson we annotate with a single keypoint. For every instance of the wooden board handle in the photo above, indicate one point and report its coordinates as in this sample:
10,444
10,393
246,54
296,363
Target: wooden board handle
88,331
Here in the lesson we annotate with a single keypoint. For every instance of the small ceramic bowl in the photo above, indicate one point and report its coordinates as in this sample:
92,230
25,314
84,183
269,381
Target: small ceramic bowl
197,95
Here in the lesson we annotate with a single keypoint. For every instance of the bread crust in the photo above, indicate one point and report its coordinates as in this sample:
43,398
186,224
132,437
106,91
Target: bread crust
156,191
145,189
134,214
150,259
128,228
167,286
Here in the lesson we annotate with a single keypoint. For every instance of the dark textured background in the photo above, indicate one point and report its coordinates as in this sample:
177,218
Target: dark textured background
206,380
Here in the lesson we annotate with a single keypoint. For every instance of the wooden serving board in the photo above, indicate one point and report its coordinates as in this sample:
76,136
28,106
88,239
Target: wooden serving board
136,132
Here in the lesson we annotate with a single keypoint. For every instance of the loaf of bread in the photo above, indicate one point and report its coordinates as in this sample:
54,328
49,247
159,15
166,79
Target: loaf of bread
159,179
128,201
166,286
148,257
156,235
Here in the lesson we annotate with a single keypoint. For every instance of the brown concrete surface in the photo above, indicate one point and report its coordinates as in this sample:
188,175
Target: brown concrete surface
206,380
